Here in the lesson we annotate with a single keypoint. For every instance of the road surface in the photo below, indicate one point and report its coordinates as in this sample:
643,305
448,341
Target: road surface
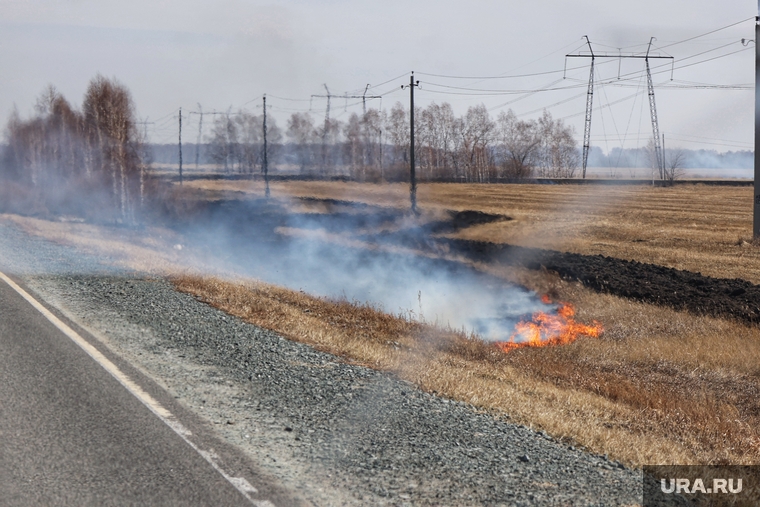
71,433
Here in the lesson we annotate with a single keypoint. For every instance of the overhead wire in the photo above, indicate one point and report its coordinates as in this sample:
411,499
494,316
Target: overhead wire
707,33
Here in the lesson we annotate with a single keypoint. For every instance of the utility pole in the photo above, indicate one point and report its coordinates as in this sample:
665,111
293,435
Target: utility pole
180,146
590,98
664,163
756,210
200,130
264,165
324,133
412,177
364,98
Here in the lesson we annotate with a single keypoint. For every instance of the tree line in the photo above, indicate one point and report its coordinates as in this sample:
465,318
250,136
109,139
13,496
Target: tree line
474,147
71,160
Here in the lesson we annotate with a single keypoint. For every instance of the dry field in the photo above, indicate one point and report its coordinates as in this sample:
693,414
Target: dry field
660,386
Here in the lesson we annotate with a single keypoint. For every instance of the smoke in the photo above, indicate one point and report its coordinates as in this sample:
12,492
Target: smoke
341,255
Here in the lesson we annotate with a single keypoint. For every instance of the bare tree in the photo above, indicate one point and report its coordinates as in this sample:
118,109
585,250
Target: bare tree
250,136
398,135
476,130
354,147
302,135
558,157
520,141
674,162
64,154
372,124
224,143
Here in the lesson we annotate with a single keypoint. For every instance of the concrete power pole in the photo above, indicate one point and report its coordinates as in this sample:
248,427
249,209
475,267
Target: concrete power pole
200,131
756,210
180,144
264,164
412,176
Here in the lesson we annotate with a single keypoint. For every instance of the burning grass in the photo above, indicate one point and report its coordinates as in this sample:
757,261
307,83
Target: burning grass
660,386
550,329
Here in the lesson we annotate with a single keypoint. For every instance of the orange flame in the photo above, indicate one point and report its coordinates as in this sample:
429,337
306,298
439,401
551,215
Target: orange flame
546,329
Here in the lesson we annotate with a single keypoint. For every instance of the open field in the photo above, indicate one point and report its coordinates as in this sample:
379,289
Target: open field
660,386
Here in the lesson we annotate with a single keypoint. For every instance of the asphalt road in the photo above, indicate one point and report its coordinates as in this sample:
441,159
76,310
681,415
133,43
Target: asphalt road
72,434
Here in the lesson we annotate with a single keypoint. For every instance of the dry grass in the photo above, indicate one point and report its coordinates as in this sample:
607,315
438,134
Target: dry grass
659,387
638,394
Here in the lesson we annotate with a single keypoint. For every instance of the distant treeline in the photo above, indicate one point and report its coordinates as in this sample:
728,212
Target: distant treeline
375,145
691,159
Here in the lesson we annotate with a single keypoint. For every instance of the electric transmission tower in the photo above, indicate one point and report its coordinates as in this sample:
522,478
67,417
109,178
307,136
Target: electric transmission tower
590,100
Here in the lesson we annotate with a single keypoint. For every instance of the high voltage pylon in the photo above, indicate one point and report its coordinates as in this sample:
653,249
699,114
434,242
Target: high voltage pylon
590,99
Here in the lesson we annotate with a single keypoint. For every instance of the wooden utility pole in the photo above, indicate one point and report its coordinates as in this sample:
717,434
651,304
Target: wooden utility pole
180,146
412,176
200,131
756,210
265,165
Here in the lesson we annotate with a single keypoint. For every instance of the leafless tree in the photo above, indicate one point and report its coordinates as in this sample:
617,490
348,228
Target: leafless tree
302,135
476,130
354,146
372,124
109,119
558,156
64,154
520,141
674,162
250,137
398,135
224,142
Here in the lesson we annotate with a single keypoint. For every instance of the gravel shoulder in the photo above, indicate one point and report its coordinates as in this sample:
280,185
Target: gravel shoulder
335,433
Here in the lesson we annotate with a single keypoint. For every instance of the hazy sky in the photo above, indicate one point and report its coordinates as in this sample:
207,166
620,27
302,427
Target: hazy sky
228,53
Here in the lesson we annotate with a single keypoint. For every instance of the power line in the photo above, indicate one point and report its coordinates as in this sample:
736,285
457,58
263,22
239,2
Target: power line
707,33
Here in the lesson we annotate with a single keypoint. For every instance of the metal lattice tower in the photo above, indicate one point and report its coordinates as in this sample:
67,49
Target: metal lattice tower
589,104
590,100
653,113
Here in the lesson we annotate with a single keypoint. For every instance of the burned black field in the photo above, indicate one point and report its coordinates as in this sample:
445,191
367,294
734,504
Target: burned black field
677,289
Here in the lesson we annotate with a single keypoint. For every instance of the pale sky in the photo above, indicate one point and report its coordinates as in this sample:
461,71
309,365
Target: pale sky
224,54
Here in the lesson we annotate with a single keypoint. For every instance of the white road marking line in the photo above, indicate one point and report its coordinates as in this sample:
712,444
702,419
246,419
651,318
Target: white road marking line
240,483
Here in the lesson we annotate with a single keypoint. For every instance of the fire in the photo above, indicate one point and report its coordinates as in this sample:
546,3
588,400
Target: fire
546,329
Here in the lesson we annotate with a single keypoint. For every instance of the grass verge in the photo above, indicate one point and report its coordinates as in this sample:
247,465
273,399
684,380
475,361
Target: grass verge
658,388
